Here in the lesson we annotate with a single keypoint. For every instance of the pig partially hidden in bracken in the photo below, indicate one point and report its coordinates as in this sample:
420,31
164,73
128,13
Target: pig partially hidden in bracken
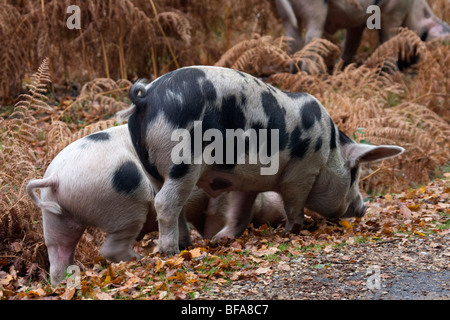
318,16
312,163
98,181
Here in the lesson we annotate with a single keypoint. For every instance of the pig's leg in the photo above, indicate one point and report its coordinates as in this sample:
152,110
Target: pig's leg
61,236
315,22
151,224
215,215
388,26
315,25
352,41
294,197
118,245
239,214
184,235
169,202
119,242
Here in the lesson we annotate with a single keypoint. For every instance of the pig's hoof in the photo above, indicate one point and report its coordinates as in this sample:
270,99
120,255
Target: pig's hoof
222,240
295,229
184,244
223,236
170,251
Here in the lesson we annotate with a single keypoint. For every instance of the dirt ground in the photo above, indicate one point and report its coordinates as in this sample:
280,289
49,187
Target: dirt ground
408,269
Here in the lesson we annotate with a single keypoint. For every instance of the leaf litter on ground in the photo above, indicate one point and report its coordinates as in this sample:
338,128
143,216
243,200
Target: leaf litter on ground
259,255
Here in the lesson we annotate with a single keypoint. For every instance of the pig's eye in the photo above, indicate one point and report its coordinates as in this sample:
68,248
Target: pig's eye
353,173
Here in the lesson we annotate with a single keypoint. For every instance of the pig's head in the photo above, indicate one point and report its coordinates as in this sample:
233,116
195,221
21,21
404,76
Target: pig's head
335,193
427,24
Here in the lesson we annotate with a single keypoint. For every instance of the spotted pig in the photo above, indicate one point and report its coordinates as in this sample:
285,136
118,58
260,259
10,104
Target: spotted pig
185,124
98,181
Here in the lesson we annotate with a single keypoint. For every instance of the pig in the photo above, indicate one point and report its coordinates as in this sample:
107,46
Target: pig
318,16
268,209
286,143
98,181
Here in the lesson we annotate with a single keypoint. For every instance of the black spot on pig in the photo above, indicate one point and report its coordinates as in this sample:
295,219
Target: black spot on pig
230,116
126,178
243,75
318,144
219,183
296,95
178,171
276,116
181,96
353,173
332,135
344,139
310,113
99,136
137,126
298,146
209,92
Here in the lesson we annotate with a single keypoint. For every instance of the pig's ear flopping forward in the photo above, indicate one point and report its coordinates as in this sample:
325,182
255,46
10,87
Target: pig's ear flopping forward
360,153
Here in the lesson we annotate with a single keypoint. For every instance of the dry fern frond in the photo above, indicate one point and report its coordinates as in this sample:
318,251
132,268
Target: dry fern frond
398,53
299,82
314,56
98,98
178,22
13,37
21,157
259,56
35,100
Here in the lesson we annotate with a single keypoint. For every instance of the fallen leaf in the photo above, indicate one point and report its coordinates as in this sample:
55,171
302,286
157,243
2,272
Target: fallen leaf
162,295
68,294
345,224
103,296
5,278
159,264
444,205
197,252
284,266
32,293
265,251
406,212
414,207
420,233
187,255
261,270
254,259
16,246
407,258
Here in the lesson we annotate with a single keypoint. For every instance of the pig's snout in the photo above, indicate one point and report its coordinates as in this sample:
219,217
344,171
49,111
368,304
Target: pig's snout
356,210
362,211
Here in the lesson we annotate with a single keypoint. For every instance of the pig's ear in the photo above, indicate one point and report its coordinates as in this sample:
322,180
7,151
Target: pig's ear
360,153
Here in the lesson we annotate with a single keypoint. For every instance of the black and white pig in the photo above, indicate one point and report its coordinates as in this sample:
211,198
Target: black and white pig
317,16
99,181
224,130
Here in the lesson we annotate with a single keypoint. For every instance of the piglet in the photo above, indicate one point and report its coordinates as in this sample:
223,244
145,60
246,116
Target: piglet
99,181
